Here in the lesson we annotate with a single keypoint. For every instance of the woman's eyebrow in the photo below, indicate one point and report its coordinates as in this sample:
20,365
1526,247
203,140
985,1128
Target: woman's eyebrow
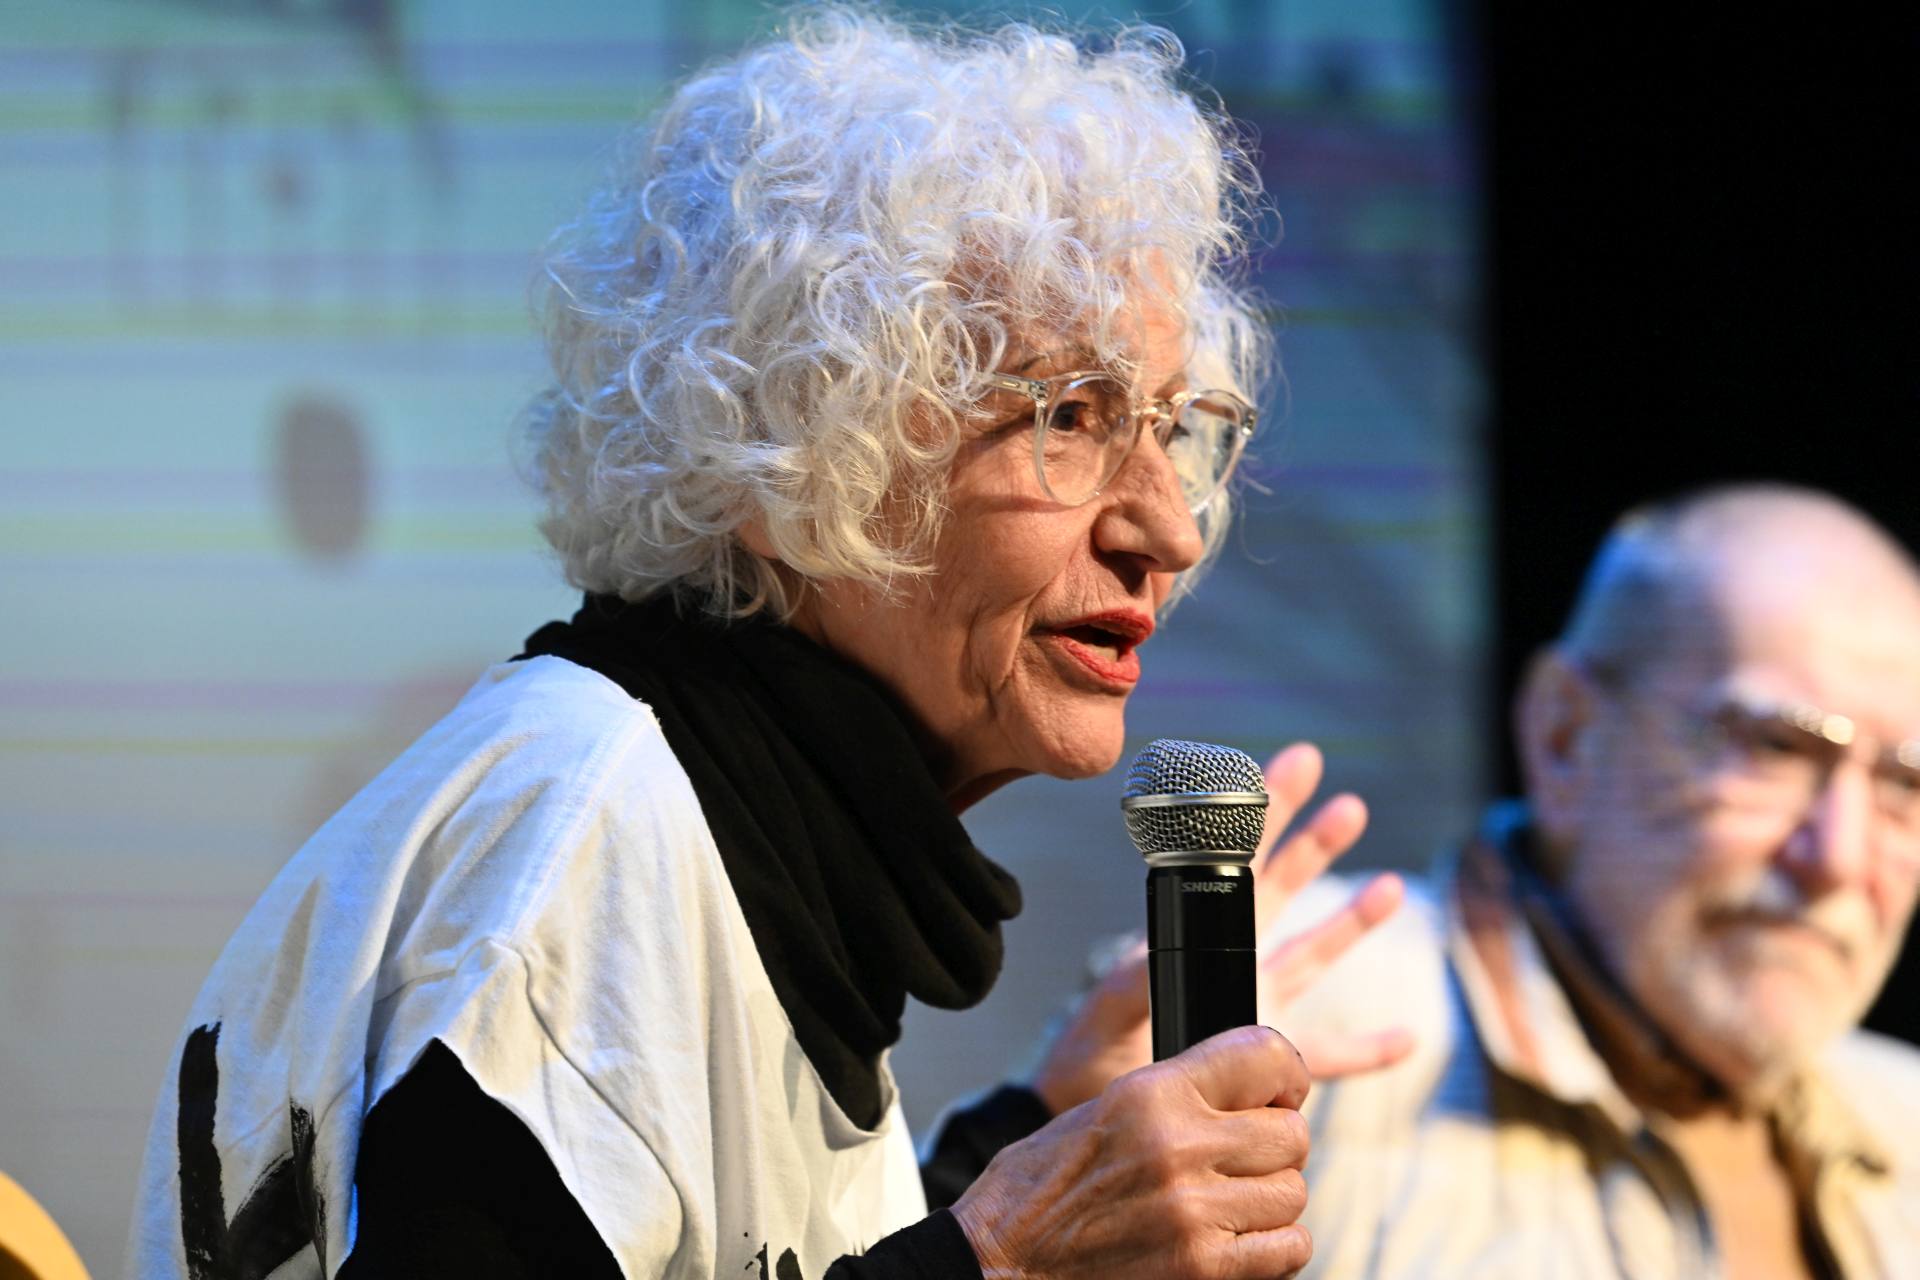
1082,358
1067,358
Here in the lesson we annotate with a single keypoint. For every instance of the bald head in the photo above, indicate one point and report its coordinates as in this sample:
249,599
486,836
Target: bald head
1674,580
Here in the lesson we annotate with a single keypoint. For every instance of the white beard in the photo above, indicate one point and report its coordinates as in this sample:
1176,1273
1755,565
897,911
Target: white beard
1709,1004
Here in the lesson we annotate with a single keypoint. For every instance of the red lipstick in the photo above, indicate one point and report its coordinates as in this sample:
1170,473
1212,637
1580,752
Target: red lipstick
1103,644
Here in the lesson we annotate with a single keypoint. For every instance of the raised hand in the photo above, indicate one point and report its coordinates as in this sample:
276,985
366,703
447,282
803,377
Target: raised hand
1188,1169
1297,962
1110,1034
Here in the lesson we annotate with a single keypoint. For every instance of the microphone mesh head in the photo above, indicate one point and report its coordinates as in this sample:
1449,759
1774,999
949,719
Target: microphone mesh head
1214,819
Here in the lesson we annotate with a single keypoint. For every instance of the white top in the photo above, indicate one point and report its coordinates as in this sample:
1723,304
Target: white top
532,884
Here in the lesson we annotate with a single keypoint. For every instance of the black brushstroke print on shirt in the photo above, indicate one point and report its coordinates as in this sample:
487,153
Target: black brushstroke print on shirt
788,1268
277,1218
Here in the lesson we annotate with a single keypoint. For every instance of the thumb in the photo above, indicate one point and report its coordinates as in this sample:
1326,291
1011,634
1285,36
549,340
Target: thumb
1245,1068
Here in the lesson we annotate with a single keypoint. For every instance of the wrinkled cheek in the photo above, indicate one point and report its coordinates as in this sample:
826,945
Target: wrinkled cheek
1719,858
1028,669
1711,832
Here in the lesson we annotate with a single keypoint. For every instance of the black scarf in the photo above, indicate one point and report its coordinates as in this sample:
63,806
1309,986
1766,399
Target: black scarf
858,883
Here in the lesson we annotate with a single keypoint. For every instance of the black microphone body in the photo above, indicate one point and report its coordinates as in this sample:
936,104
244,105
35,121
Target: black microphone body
1196,812
1200,953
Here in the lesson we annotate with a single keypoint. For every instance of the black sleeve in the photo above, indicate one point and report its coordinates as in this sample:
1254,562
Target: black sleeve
933,1248
452,1186
972,1136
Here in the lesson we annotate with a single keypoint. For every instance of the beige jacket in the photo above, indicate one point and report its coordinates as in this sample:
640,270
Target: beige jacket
1503,1147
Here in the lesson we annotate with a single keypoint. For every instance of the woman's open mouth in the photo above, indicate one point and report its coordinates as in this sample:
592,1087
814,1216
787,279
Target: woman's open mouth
1103,645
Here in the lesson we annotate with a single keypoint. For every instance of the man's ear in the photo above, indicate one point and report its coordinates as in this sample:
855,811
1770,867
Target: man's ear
1554,725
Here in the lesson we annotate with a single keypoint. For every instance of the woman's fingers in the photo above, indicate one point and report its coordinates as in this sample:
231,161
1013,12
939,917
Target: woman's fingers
1330,1056
1245,1068
1118,1001
1103,1037
1333,829
1297,963
1269,1255
1145,1181
1238,1205
1255,1143
1305,855
1292,775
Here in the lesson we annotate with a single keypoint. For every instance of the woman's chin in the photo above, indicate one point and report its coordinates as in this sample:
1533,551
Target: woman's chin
1082,746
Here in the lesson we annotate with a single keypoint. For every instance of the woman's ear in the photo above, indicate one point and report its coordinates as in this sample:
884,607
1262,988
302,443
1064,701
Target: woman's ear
1554,726
753,536
802,603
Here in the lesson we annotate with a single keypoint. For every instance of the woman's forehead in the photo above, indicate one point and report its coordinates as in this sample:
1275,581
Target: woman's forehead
1154,351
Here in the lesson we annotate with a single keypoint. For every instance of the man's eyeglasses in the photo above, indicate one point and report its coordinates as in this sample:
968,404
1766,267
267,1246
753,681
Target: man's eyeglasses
1086,423
1777,755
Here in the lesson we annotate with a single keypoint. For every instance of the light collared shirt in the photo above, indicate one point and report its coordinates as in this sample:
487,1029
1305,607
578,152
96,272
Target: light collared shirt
1504,1147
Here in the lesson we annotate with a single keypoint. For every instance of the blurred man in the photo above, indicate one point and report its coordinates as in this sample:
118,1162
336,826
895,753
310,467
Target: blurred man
1634,996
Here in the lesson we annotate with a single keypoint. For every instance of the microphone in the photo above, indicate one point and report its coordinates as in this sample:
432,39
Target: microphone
1195,810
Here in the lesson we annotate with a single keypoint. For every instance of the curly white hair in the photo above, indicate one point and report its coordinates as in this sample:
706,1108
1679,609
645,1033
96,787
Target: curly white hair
781,306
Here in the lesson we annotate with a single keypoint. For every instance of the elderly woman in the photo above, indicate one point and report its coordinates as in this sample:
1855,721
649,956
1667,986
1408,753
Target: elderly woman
898,387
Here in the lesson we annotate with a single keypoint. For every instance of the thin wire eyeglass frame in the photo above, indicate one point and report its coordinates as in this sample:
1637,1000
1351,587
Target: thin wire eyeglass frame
1168,411
1700,727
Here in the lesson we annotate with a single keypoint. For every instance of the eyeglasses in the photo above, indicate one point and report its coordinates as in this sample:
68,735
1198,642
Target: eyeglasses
1777,756
1086,423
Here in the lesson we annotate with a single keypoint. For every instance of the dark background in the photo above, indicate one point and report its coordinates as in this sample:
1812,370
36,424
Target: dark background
1702,269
